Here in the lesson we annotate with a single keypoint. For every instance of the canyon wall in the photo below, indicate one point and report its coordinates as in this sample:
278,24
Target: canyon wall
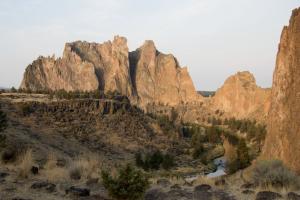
283,137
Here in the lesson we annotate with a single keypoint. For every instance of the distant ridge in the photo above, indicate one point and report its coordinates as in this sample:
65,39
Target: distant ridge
207,93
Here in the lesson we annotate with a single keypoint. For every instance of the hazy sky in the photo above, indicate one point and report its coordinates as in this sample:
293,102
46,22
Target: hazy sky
214,38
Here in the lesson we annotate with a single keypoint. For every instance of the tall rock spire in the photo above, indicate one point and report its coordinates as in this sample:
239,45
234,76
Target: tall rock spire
283,137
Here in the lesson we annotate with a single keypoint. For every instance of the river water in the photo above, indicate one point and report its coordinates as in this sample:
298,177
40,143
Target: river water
220,163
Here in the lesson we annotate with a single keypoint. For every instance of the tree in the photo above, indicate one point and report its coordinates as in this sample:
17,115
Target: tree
13,90
230,151
139,160
154,161
243,157
3,125
198,150
129,184
174,115
214,134
168,162
3,121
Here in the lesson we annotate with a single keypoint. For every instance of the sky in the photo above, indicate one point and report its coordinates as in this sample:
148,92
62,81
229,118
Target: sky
213,38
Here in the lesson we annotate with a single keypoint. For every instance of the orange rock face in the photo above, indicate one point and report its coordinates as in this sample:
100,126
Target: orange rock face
146,76
159,78
84,66
283,138
240,97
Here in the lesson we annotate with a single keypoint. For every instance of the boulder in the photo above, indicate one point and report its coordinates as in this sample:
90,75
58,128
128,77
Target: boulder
267,195
77,191
155,194
163,182
49,187
293,196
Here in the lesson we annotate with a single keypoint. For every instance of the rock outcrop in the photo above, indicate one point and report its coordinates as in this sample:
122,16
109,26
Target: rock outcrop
282,141
146,76
69,73
158,78
84,66
242,98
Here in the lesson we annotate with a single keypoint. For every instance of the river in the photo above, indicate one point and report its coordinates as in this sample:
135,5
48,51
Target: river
219,162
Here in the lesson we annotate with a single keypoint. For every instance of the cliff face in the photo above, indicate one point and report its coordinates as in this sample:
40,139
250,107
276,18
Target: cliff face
69,73
84,66
282,141
145,75
158,78
242,98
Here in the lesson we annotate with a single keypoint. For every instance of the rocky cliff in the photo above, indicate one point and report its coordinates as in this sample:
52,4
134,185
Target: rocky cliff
84,66
158,78
282,141
146,76
241,97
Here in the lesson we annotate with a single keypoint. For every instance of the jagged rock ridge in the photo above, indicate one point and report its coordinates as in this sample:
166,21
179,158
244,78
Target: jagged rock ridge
146,76
282,141
158,78
241,97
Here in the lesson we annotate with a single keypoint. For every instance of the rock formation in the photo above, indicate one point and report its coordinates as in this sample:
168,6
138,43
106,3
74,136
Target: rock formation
84,66
282,141
69,73
158,78
145,75
242,98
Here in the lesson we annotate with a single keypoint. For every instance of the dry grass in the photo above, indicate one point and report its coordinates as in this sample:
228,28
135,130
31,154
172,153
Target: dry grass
204,180
282,191
85,167
82,168
52,172
26,162
173,180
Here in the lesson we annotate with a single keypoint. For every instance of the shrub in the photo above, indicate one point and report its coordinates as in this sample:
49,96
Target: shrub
3,121
198,136
13,90
274,173
214,134
198,151
154,161
25,109
9,155
26,163
168,162
53,172
165,123
243,158
129,184
75,173
237,156
139,159
173,115
2,142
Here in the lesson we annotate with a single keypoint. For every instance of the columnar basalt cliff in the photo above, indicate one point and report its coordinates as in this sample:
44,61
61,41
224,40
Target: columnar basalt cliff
282,141
146,76
241,97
